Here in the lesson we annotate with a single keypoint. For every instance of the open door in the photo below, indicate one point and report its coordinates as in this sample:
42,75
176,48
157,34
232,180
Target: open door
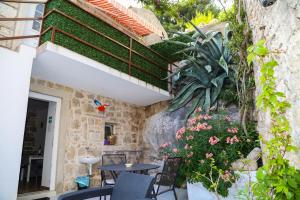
48,150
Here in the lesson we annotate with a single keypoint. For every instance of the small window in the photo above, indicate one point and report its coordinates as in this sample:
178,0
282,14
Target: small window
38,13
109,138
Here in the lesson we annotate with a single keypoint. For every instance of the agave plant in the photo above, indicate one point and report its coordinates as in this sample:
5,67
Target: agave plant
201,78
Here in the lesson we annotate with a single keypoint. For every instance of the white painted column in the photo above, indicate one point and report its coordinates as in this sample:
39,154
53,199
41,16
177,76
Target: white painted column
15,72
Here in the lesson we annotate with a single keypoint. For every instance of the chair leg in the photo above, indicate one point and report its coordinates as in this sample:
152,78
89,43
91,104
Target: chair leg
175,195
153,194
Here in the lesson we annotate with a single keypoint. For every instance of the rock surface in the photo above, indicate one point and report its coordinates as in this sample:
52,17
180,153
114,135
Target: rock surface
279,25
161,128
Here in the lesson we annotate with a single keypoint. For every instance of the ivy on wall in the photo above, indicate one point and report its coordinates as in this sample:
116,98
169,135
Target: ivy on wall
277,179
61,22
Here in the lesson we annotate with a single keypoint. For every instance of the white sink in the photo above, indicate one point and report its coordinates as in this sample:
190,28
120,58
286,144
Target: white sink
89,160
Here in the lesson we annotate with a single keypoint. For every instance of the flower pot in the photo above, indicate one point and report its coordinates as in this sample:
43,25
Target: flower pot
197,191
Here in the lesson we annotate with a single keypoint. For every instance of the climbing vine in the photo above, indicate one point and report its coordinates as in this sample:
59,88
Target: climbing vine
240,41
277,179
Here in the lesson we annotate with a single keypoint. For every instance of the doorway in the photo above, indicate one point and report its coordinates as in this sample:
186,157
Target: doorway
39,152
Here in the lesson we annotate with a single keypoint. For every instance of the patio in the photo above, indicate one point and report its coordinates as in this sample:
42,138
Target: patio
203,96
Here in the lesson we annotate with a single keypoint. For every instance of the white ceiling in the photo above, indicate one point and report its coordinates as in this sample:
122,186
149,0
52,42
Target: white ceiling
60,65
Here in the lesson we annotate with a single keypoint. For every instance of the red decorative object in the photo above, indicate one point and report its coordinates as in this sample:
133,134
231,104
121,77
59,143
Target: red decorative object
101,107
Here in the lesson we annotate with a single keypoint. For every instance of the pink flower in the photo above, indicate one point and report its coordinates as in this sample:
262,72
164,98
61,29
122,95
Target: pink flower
199,109
228,140
233,130
175,150
200,117
165,145
190,155
202,161
189,137
192,121
235,139
179,133
209,155
213,140
186,147
228,118
226,176
207,117
232,140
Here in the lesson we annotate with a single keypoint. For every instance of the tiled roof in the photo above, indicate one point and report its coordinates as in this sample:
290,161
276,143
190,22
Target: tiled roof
125,17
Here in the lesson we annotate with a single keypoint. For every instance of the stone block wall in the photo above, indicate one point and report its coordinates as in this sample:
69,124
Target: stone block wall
7,28
82,125
279,24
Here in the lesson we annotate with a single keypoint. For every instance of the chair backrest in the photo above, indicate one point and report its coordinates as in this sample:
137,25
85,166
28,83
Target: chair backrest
111,159
170,171
131,186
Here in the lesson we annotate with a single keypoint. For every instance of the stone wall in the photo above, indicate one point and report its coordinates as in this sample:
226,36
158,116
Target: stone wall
280,26
7,28
82,125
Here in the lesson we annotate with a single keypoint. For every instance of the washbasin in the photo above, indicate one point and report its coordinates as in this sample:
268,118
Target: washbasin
89,160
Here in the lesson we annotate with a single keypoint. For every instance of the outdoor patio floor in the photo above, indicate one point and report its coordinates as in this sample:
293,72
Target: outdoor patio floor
181,195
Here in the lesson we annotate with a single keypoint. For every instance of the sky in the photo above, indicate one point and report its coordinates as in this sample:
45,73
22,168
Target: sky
134,3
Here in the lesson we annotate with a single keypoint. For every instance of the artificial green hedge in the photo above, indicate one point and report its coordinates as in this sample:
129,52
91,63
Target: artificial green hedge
169,50
61,22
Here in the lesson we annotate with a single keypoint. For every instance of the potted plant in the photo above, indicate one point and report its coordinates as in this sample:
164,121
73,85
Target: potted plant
209,144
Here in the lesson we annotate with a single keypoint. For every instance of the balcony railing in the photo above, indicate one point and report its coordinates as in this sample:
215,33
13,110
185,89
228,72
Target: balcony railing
68,25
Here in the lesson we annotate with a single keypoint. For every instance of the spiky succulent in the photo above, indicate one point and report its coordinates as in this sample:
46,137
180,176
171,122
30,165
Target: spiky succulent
207,64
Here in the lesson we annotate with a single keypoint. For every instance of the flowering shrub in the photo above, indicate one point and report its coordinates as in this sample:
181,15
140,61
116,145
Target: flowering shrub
208,146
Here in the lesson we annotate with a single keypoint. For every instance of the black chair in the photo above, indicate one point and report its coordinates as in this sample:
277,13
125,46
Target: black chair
108,178
129,186
168,176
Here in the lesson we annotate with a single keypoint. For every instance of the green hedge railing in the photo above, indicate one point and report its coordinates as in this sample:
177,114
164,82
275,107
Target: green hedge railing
69,26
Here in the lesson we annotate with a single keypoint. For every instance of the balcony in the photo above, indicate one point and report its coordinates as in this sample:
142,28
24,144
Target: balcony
67,26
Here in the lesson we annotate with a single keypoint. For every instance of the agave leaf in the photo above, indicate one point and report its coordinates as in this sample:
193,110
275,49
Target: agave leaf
210,36
206,105
177,71
187,87
208,68
186,94
195,103
191,39
223,64
196,35
201,34
188,49
216,90
206,56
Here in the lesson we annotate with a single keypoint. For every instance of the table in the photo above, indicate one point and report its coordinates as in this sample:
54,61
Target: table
140,167
32,157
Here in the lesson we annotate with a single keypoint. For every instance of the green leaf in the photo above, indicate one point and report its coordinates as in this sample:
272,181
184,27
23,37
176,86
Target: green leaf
223,64
208,68
206,105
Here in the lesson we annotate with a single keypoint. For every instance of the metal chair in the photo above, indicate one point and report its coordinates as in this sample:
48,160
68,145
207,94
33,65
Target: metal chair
168,176
129,186
108,178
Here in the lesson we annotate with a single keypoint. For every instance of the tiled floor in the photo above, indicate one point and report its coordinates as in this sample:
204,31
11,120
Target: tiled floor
181,195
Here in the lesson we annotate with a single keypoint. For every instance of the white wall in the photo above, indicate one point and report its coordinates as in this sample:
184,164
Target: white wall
15,72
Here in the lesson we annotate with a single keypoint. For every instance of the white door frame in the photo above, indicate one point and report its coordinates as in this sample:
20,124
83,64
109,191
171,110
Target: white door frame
57,100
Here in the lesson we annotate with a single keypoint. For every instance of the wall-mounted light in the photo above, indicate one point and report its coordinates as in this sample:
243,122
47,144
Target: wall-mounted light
266,3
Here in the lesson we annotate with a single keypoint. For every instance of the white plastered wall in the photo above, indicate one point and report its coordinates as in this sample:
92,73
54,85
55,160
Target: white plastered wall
15,72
